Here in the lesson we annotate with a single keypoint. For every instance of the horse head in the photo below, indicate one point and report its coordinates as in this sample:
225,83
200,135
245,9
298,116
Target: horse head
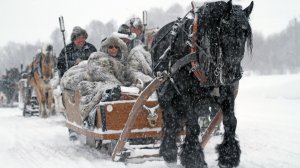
235,31
47,63
224,30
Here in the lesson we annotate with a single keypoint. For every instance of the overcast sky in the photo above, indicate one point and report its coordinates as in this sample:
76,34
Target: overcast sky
32,20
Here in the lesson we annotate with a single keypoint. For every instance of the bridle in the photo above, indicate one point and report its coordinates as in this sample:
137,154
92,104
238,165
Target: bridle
196,51
39,64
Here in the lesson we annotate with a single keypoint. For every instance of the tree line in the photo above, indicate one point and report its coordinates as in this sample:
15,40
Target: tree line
276,54
14,54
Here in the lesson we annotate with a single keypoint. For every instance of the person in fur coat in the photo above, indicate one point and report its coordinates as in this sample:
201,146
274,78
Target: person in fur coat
100,77
115,47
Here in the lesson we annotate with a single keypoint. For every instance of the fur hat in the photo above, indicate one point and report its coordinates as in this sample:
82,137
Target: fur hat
124,32
114,40
77,31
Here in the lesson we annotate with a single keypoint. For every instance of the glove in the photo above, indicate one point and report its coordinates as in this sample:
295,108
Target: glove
111,94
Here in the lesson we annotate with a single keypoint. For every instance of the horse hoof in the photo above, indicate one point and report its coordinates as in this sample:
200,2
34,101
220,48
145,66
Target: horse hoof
43,116
73,136
225,166
229,153
169,156
173,165
192,157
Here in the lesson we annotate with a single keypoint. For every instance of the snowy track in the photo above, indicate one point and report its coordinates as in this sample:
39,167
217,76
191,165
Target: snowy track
267,108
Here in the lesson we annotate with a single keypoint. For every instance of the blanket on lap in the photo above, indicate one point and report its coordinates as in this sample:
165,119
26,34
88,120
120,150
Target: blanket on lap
101,72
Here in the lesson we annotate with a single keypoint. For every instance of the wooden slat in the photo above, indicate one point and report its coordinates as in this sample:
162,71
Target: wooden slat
72,107
111,136
212,126
134,113
116,119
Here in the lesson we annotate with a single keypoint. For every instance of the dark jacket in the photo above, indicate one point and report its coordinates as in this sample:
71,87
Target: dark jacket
74,56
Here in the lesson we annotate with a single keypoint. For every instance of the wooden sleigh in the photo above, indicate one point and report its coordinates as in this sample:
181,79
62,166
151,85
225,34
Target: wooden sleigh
133,117
27,99
118,154
111,117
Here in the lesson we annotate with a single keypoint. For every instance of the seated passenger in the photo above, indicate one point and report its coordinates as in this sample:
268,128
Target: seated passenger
136,26
114,47
126,35
100,77
76,51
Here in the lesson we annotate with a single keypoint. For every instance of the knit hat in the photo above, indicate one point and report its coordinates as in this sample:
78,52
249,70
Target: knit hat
124,29
124,32
135,22
77,31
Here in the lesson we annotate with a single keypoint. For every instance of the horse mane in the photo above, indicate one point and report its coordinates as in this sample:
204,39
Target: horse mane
218,24
47,50
211,15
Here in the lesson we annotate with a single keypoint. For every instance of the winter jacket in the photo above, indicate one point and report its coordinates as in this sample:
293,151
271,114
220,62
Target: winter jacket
139,62
133,43
74,56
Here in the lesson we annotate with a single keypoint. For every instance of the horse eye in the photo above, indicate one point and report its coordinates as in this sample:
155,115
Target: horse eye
244,29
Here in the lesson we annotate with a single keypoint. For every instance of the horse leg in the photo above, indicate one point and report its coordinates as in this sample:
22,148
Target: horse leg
51,104
192,155
43,110
229,150
171,126
48,103
47,107
40,101
168,147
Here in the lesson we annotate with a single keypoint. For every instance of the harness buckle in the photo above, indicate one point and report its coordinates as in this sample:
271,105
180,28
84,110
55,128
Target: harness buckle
189,43
194,68
218,69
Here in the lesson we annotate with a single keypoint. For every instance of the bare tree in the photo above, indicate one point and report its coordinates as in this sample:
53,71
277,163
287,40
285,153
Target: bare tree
57,41
98,31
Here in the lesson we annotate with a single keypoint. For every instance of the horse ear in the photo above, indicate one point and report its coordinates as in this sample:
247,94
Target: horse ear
228,10
229,6
248,10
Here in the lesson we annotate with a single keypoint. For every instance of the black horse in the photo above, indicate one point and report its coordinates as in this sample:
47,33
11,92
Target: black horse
223,30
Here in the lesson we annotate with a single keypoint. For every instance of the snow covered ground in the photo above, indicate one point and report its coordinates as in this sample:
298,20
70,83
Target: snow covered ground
267,108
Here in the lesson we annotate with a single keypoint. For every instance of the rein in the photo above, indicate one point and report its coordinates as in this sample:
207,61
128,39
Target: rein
39,65
202,55
195,64
197,53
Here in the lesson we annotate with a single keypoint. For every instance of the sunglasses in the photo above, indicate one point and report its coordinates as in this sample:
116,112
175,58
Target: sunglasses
112,46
